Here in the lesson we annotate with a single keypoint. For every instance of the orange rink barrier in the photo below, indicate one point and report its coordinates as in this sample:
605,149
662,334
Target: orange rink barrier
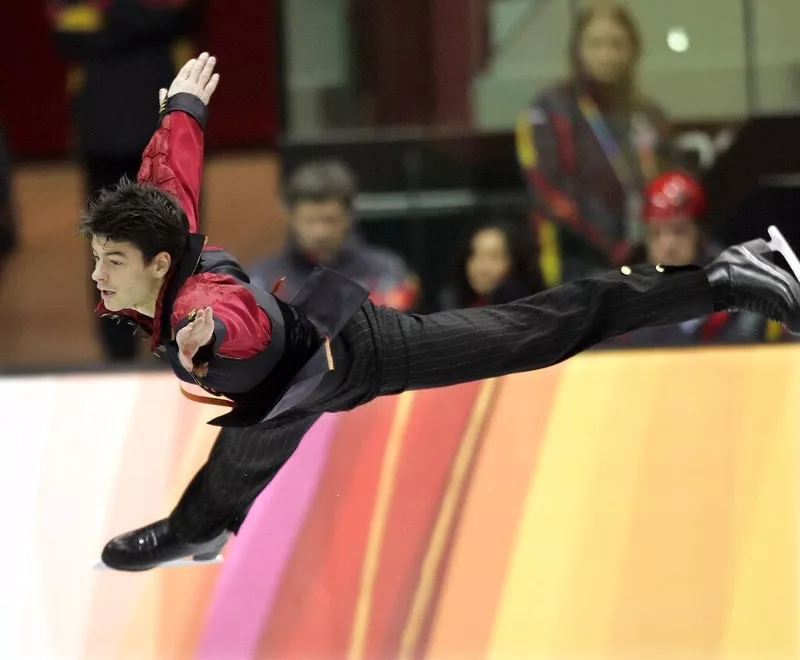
635,505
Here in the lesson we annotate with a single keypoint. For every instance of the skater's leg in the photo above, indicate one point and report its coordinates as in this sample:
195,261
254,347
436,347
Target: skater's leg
457,346
239,467
241,464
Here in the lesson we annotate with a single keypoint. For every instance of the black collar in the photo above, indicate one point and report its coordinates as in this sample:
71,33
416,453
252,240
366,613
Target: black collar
184,270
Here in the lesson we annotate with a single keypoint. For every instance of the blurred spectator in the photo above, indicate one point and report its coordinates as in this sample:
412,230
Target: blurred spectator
8,220
319,199
674,215
121,52
587,147
494,265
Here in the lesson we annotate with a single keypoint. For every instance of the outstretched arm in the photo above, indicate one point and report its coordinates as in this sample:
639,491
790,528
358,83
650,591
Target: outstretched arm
173,159
217,314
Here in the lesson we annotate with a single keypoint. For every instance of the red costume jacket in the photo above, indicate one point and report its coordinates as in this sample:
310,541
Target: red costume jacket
266,355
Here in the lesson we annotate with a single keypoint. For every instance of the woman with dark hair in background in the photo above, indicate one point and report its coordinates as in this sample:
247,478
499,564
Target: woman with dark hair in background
587,147
493,265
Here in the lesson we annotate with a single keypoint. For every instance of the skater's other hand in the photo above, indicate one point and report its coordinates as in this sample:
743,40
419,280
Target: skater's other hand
195,334
195,77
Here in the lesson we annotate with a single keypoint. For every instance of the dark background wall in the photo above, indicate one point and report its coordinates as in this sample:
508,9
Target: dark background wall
33,102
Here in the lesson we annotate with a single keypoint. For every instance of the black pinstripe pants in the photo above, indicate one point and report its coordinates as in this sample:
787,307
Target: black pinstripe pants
390,351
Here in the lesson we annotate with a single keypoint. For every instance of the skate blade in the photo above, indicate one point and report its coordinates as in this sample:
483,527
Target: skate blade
779,244
184,561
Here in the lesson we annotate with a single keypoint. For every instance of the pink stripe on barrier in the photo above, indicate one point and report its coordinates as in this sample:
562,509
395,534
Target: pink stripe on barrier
257,557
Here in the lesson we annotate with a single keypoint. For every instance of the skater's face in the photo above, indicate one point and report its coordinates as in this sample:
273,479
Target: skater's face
320,228
123,277
489,261
606,50
673,242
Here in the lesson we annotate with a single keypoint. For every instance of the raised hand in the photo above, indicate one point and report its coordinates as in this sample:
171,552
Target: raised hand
195,77
195,334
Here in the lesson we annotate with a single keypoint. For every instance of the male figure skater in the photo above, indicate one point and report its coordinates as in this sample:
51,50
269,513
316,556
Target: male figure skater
281,366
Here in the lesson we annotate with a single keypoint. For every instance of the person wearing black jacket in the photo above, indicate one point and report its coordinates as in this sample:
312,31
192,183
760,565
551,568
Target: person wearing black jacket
278,366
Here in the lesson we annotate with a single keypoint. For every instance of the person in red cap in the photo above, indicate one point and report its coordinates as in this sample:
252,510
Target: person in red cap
674,210
674,217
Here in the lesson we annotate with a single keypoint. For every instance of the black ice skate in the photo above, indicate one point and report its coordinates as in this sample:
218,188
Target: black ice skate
156,545
744,277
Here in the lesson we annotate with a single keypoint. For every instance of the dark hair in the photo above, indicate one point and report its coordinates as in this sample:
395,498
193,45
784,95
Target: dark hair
523,278
321,181
138,213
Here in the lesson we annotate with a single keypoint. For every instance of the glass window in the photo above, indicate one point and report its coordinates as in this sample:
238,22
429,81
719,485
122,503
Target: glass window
694,63
776,57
